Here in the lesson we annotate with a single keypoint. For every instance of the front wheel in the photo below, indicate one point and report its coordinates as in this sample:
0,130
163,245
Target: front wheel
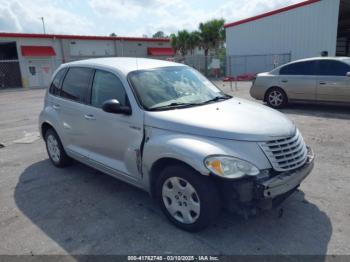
188,199
276,98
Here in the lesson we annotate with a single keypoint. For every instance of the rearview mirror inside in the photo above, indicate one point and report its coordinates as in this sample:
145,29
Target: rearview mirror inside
113,106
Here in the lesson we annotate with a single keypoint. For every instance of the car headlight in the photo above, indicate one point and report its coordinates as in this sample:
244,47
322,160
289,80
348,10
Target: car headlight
230,167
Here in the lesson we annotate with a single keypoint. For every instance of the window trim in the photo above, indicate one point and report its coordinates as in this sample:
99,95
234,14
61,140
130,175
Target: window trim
92,85
89,85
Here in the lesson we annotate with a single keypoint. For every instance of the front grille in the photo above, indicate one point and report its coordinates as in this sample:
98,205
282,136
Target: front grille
286,153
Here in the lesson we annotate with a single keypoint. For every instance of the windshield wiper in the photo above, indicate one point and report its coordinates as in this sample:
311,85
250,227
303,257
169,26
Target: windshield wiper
217,98
172,105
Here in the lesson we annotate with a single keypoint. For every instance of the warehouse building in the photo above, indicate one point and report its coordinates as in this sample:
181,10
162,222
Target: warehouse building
28,60
307,29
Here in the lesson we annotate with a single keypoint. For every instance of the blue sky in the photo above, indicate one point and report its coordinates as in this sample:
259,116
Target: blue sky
124,17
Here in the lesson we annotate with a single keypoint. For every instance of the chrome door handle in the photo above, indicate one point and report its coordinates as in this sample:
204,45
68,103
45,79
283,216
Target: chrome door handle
89,117
284,81
56,107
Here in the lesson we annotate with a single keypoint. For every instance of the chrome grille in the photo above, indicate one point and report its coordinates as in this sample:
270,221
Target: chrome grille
286,153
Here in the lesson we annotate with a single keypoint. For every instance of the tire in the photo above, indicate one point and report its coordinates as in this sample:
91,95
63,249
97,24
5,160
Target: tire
276,98
196,202
55,149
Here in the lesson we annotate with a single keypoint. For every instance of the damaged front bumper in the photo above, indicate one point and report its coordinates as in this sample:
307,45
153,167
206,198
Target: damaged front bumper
266,191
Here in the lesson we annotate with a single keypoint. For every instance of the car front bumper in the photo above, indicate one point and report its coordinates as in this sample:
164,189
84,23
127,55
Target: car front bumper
264,192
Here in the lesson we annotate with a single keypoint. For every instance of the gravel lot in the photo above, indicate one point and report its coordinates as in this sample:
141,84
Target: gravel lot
77,210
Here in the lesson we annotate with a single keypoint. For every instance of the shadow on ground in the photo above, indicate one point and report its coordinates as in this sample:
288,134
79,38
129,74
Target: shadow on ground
87,212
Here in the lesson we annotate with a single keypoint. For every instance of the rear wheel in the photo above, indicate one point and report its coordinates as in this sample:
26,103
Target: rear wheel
188,199
55,149
276,98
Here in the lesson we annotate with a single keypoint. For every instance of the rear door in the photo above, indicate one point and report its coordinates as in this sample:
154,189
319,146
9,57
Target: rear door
332,83
74,96
299,80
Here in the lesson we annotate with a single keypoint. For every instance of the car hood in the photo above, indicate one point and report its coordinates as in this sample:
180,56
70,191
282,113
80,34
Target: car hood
235,119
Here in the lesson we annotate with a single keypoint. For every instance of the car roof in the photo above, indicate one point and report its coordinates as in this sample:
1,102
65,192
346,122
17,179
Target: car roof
123,64
338,58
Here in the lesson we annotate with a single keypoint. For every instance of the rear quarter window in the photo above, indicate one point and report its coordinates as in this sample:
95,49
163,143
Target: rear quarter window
56,82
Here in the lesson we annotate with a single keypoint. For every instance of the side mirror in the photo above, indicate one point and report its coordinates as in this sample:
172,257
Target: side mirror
113,106
348,74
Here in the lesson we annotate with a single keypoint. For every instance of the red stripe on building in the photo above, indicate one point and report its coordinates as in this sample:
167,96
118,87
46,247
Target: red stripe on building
83,37
284,9
160,51
37,51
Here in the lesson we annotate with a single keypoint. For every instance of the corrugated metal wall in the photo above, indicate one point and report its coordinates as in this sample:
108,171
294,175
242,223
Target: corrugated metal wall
304,32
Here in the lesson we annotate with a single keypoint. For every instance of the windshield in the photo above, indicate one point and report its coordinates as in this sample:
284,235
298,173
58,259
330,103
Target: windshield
172,87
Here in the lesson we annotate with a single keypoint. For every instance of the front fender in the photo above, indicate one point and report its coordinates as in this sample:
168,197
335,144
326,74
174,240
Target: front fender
192,150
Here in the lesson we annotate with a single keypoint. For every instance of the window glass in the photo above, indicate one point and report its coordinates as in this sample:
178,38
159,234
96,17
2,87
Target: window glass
107,86
76,84
300,68
333,68
55,85
160,87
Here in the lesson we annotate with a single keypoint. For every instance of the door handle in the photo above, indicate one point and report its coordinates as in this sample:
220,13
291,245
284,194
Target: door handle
322,83
284,81
56,107
89,117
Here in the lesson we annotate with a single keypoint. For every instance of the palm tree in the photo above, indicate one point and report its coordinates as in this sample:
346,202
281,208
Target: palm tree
173,42
182,41
193,41
212,33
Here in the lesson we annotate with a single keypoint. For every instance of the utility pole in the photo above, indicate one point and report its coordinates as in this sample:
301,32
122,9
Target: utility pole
43,21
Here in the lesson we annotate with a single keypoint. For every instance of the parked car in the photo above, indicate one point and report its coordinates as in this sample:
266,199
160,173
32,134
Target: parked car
321,79
165,128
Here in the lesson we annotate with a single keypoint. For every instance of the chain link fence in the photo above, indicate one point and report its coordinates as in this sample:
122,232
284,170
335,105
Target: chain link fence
10,75
238,65
210,66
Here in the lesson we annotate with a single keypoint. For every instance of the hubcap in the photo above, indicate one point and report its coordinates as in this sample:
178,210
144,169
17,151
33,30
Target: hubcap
52,146
181,200
276,98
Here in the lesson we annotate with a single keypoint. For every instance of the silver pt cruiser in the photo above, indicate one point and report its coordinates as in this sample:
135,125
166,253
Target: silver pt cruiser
165,128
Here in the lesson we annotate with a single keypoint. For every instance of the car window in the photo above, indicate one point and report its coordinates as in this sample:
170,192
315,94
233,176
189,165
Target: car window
107,86
56,83
76,84
300,68
333,68
172,85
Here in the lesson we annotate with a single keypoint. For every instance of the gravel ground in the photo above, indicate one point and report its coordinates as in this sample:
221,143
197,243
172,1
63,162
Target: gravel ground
77,210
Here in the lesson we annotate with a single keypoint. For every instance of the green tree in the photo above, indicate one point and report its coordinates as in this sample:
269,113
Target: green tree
182,41
159,34
173,42
193,41
212,34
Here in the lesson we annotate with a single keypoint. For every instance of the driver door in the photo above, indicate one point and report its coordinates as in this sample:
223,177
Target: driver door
114,139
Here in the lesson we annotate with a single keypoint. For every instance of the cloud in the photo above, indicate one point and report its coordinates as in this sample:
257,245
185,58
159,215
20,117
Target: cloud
24,16
124,17
171,16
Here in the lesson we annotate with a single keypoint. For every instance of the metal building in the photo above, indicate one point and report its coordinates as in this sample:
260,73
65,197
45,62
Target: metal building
307,29
29,60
